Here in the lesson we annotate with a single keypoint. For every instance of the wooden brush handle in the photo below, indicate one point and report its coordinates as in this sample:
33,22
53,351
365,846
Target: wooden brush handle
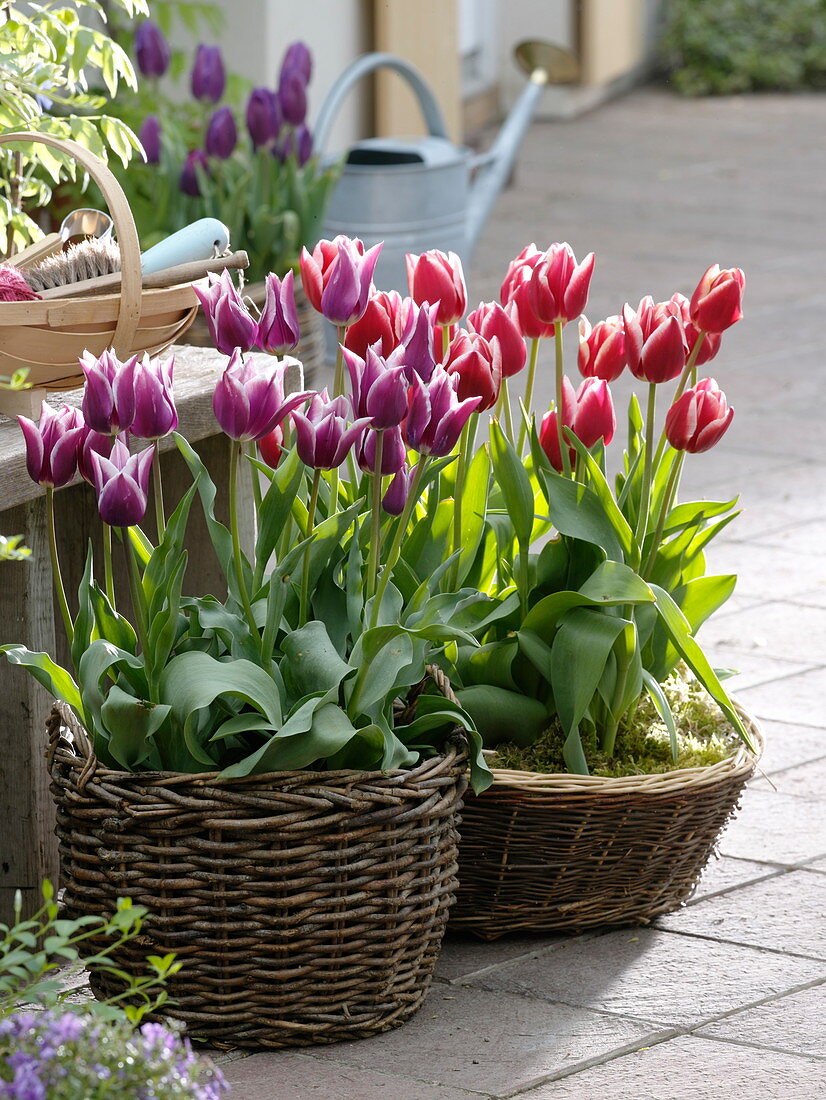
172,276
129,314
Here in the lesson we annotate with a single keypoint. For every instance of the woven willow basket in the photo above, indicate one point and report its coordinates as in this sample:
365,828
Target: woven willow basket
562,853
311,346
47,337
306,907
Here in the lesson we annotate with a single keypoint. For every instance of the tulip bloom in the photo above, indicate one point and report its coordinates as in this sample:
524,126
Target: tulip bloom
655,342
149,136
322,435
393,453
271,446
490,319
549,431
297,58
188,181
109,394
698,419
221,135
716,304
477,363
437,277
155,413
601,349
263,117
208,78
229,321
91,442
679,305
52,445
379,390
122,484
516,291
292,95
278,330
395,498
594,418
436,416
416,350
380,324
296,143
249,401
559,285
338,277
152,53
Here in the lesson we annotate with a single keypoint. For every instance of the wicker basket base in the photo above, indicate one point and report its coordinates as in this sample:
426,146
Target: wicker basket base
563,853
305,907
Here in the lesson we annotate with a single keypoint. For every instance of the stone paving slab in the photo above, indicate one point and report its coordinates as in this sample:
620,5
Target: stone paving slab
725,873
490,1042
752,668
783,913
689,1068
792,1023
799,699
788,745
790,632
767,572
806,781
654,975
776,828
464,954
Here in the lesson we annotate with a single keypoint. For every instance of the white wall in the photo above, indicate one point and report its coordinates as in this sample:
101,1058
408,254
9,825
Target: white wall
520,19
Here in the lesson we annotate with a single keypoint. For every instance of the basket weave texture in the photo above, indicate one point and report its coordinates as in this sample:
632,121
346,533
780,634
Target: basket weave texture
563,853
311,347
306,907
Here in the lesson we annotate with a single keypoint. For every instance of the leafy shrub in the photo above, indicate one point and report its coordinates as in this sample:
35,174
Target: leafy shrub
723,47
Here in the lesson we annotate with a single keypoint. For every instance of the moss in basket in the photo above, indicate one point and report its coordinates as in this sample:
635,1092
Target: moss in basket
642,746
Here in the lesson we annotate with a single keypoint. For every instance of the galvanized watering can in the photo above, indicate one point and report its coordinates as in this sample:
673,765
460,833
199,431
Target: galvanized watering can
420,193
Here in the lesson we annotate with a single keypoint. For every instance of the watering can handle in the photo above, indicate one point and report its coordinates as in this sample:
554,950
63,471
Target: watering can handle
368,64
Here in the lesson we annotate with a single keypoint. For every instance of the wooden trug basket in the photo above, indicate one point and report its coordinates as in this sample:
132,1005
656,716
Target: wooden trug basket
47,338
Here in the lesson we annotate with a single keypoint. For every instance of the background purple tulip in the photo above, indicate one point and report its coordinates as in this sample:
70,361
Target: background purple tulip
221,135
52,445
298,58
297,143
150,138
188,182
122,484
155,413
292,95
109,394
208,79
263,117
152,51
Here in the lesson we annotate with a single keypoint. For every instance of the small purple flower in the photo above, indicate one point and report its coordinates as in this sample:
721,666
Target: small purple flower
416,350
52,445
150,138
292,95
249,400
395,498
393,452
323,436
109,393
278,329
379,390
297,58
91,442
437,416
208,78
122,484
347,291
155,413
296,143
230,323
263,117
152,51
189,182
221,135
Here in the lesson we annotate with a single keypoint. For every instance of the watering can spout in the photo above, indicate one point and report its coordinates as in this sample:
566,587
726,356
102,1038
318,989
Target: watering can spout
544,64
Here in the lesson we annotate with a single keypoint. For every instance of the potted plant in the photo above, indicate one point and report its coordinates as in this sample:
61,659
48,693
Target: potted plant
220,149
619,755
274,772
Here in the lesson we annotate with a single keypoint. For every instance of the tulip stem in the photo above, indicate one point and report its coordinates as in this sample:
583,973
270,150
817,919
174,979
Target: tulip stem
57,576
398,538
445,342
254,480
138,601
458,495
645,492
108,572
668,500
338,378
533,359
564,450
506,408
305,573
157,488
375,528
685,377
243,595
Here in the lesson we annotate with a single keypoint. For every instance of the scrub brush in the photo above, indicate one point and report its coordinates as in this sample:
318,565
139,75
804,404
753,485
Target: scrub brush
85,260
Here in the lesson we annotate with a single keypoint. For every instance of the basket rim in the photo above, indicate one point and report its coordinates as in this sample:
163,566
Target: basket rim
740,762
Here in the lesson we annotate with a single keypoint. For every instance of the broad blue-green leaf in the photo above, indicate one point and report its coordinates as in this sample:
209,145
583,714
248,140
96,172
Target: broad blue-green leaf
95,664
131,723
109,623
492,664
577,511
474,507
85,620
614,583
314,732
54,679
698,599
311,662
514,483
502,715
218,533
663,708
601,488
379,655
276,507
192,681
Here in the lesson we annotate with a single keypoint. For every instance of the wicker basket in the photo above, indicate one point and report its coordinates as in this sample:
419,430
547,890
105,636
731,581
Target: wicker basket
306,907
47,337
562,853
311,347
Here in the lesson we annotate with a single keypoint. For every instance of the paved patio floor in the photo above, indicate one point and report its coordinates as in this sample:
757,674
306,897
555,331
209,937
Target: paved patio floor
726,998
